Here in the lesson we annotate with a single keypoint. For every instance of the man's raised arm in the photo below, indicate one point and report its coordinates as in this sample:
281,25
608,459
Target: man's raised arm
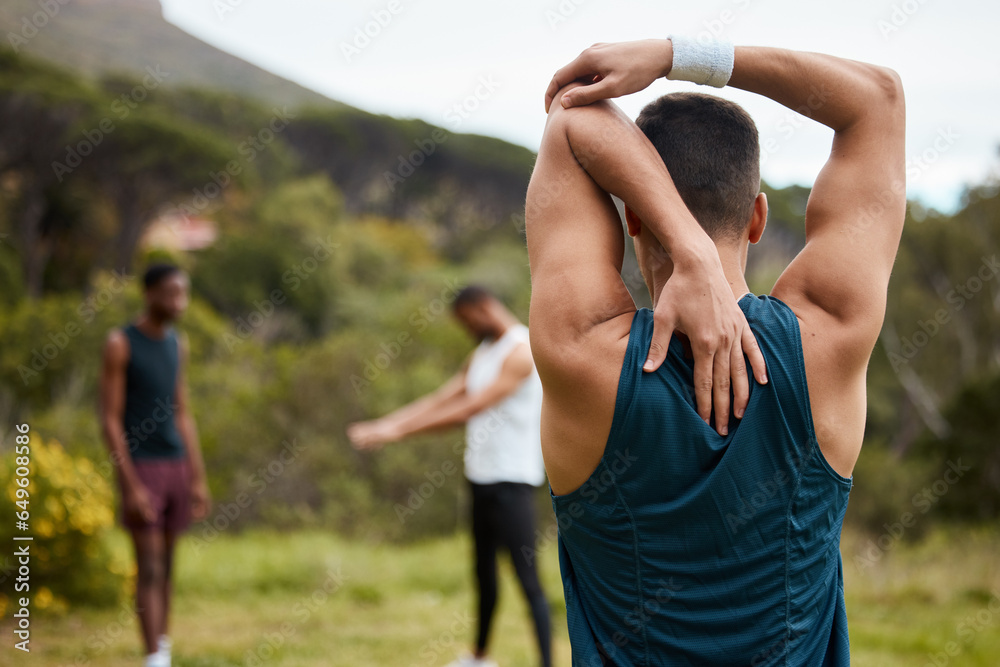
854,217
575,252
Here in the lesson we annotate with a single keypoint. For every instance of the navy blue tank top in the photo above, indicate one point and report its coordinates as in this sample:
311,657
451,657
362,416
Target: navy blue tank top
150,385
685,547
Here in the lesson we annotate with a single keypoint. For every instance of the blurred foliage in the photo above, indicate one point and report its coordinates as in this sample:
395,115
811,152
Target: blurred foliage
972,490
326,297
71,508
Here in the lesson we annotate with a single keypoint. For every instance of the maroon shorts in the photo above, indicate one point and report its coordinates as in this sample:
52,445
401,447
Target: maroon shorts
168,482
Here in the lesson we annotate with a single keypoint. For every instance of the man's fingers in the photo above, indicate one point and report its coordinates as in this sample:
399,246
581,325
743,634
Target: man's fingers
752,350
720,389
571,72
663,329
741,383
703,383
584,95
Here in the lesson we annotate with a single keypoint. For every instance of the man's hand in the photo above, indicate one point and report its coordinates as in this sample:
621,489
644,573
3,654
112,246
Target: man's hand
612,70
201,500
136,502
697,301
372,434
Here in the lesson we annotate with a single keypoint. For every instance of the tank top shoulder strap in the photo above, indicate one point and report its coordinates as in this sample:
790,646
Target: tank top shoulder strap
628,382
777,330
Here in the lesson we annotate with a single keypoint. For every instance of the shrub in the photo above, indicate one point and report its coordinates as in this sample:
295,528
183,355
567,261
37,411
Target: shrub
71,510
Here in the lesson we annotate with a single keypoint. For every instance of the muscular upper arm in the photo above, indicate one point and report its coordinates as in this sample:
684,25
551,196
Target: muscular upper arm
575,252
114,360
854,220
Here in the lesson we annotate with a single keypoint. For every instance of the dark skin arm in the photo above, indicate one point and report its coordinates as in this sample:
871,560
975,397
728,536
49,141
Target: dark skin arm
201,499
135,498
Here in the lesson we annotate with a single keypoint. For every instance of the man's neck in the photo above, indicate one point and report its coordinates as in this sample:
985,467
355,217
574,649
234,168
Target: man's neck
151,326
732,266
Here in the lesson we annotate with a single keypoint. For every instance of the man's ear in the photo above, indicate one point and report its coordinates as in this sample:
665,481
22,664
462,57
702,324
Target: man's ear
632,222
759,218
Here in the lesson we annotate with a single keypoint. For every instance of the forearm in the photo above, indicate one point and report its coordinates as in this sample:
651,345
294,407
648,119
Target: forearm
833,91
189,434
117,443
621,161
444,415
450,391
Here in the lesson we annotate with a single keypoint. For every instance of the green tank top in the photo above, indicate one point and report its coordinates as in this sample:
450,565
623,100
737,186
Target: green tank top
685,547
150,388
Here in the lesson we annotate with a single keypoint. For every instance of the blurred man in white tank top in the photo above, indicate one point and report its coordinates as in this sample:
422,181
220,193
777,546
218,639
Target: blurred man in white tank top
498,396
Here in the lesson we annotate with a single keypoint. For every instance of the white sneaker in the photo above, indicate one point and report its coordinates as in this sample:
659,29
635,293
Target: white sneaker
157,659
469,660
163,648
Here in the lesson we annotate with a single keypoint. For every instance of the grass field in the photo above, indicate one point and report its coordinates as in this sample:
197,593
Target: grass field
311,600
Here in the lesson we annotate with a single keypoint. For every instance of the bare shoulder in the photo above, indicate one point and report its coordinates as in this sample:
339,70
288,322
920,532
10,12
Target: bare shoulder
116,347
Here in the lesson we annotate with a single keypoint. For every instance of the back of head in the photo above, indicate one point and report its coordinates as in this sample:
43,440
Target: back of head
711,150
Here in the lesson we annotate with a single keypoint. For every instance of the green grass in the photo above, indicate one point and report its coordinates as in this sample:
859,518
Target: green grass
311,599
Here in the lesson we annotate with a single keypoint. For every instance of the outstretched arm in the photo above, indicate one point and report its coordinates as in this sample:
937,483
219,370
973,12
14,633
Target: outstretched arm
445,408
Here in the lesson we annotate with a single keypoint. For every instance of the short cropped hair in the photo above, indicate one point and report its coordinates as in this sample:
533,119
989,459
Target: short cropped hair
712,152
156,273
473,294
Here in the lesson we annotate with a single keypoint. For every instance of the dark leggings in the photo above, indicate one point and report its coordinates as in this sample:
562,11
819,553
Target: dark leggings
503,515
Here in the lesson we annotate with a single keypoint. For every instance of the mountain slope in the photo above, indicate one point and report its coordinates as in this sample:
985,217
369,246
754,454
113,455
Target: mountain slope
102,36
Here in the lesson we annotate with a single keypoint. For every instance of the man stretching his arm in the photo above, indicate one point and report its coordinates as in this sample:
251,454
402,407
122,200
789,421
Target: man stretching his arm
497,396
681,544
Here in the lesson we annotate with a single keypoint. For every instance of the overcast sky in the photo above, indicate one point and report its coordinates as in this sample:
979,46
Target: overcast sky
428,56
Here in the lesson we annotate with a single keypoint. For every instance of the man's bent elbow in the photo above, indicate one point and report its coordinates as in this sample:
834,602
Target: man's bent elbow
890,86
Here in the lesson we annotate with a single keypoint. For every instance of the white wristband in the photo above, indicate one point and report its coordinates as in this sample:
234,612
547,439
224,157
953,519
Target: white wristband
709,63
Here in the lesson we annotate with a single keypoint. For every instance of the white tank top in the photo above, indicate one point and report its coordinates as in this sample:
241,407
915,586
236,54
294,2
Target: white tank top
503,443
